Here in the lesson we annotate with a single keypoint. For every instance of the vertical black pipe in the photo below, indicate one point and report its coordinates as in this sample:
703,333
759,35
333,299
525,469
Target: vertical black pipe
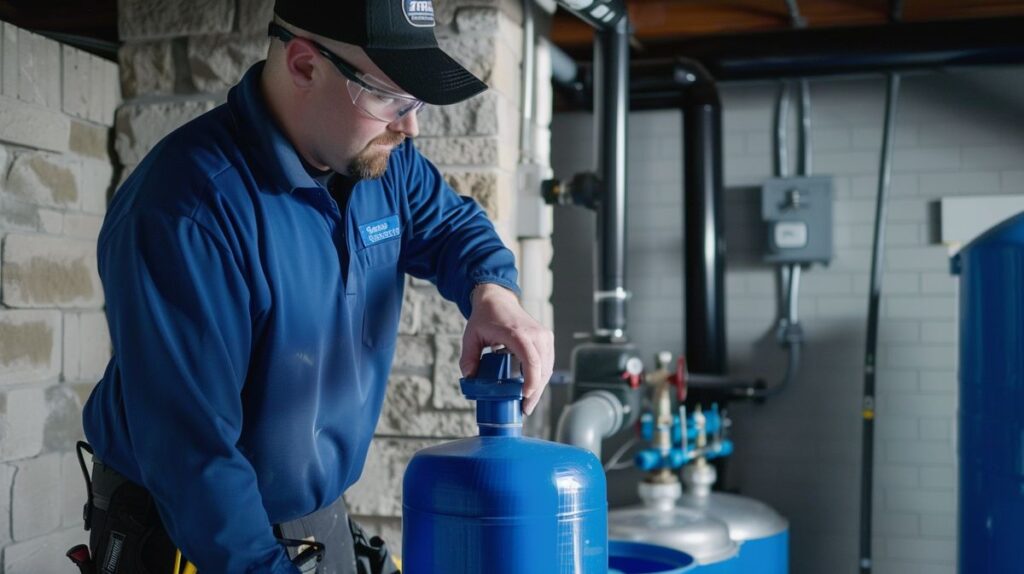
874,300
611,104
704,253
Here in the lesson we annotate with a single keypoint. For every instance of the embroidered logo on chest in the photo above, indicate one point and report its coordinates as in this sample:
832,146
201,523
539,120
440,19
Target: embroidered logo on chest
380,230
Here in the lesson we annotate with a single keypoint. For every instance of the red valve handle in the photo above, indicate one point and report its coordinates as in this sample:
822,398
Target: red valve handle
678,379
634,380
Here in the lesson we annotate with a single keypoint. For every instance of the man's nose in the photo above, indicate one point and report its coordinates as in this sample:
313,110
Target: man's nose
407,124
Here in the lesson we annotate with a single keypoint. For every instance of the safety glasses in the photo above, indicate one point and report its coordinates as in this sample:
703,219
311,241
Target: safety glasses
366,92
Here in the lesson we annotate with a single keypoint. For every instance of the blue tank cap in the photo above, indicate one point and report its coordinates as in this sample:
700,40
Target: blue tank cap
493,380
498,395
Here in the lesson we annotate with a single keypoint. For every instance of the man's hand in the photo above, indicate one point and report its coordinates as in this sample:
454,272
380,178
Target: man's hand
498,319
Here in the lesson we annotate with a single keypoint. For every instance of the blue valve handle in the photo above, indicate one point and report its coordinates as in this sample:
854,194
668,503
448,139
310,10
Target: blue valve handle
498,396
647,426
654,459
719,450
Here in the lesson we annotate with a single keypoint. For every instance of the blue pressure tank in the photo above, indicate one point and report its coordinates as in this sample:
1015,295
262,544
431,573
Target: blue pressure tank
992,400
501,503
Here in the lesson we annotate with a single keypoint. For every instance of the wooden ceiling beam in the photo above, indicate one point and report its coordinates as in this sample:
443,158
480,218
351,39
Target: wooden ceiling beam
666,20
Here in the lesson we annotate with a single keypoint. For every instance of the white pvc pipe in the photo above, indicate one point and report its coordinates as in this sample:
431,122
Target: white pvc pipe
588,421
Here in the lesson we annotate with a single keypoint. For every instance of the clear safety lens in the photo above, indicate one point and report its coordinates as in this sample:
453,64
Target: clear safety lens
380,104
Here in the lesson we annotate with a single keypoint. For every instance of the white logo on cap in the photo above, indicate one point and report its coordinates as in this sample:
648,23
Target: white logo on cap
419,13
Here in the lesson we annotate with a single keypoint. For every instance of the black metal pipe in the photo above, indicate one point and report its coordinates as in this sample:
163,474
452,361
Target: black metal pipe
704,243
685,85
874,300
611,110
611,107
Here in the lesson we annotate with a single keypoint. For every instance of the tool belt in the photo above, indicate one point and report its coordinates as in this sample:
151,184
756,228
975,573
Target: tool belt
126,535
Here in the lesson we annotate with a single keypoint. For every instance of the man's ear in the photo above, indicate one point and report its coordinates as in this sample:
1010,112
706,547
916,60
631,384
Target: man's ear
300,57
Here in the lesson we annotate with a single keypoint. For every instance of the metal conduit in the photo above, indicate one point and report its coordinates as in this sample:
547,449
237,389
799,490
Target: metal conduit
804,115
527,79
874,299
781,169
789,331
781,130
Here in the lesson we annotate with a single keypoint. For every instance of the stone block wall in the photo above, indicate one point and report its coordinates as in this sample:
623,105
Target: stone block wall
178,60
56,111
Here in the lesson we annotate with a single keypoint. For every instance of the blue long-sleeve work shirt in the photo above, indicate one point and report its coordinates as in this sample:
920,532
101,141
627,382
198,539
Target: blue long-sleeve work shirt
249,370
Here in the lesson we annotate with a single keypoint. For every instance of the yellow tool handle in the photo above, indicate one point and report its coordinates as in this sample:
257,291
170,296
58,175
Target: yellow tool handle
190,568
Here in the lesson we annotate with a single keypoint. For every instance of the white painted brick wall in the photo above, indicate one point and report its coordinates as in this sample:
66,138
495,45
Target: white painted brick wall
56,111
45,179
22,421
800,451
73,490
35,510
6,480
32,345
41,271
44,553
33,126
95,345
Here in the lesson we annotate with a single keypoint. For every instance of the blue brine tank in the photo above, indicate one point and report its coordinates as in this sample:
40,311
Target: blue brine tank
501,503
992,401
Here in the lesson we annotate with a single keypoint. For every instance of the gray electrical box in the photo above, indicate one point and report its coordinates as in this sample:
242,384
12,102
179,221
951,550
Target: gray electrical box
797,212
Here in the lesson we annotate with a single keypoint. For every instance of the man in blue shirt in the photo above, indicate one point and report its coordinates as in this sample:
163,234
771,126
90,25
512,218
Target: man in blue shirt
253,266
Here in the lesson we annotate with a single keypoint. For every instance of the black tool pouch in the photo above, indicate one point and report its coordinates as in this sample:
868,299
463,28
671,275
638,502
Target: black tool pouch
126,534
372,555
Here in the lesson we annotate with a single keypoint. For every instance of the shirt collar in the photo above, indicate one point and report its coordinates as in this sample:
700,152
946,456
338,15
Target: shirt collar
274,153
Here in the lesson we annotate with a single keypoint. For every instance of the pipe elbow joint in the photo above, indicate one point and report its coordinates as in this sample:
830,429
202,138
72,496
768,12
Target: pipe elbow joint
588,421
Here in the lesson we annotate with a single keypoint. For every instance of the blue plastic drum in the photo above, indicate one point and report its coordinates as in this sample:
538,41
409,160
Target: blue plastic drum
625,557
992,400
502,503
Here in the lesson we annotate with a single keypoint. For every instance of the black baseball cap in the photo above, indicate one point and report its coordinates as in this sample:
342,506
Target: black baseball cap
398,35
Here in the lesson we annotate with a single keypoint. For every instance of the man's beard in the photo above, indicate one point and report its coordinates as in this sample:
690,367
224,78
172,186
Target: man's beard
371,163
